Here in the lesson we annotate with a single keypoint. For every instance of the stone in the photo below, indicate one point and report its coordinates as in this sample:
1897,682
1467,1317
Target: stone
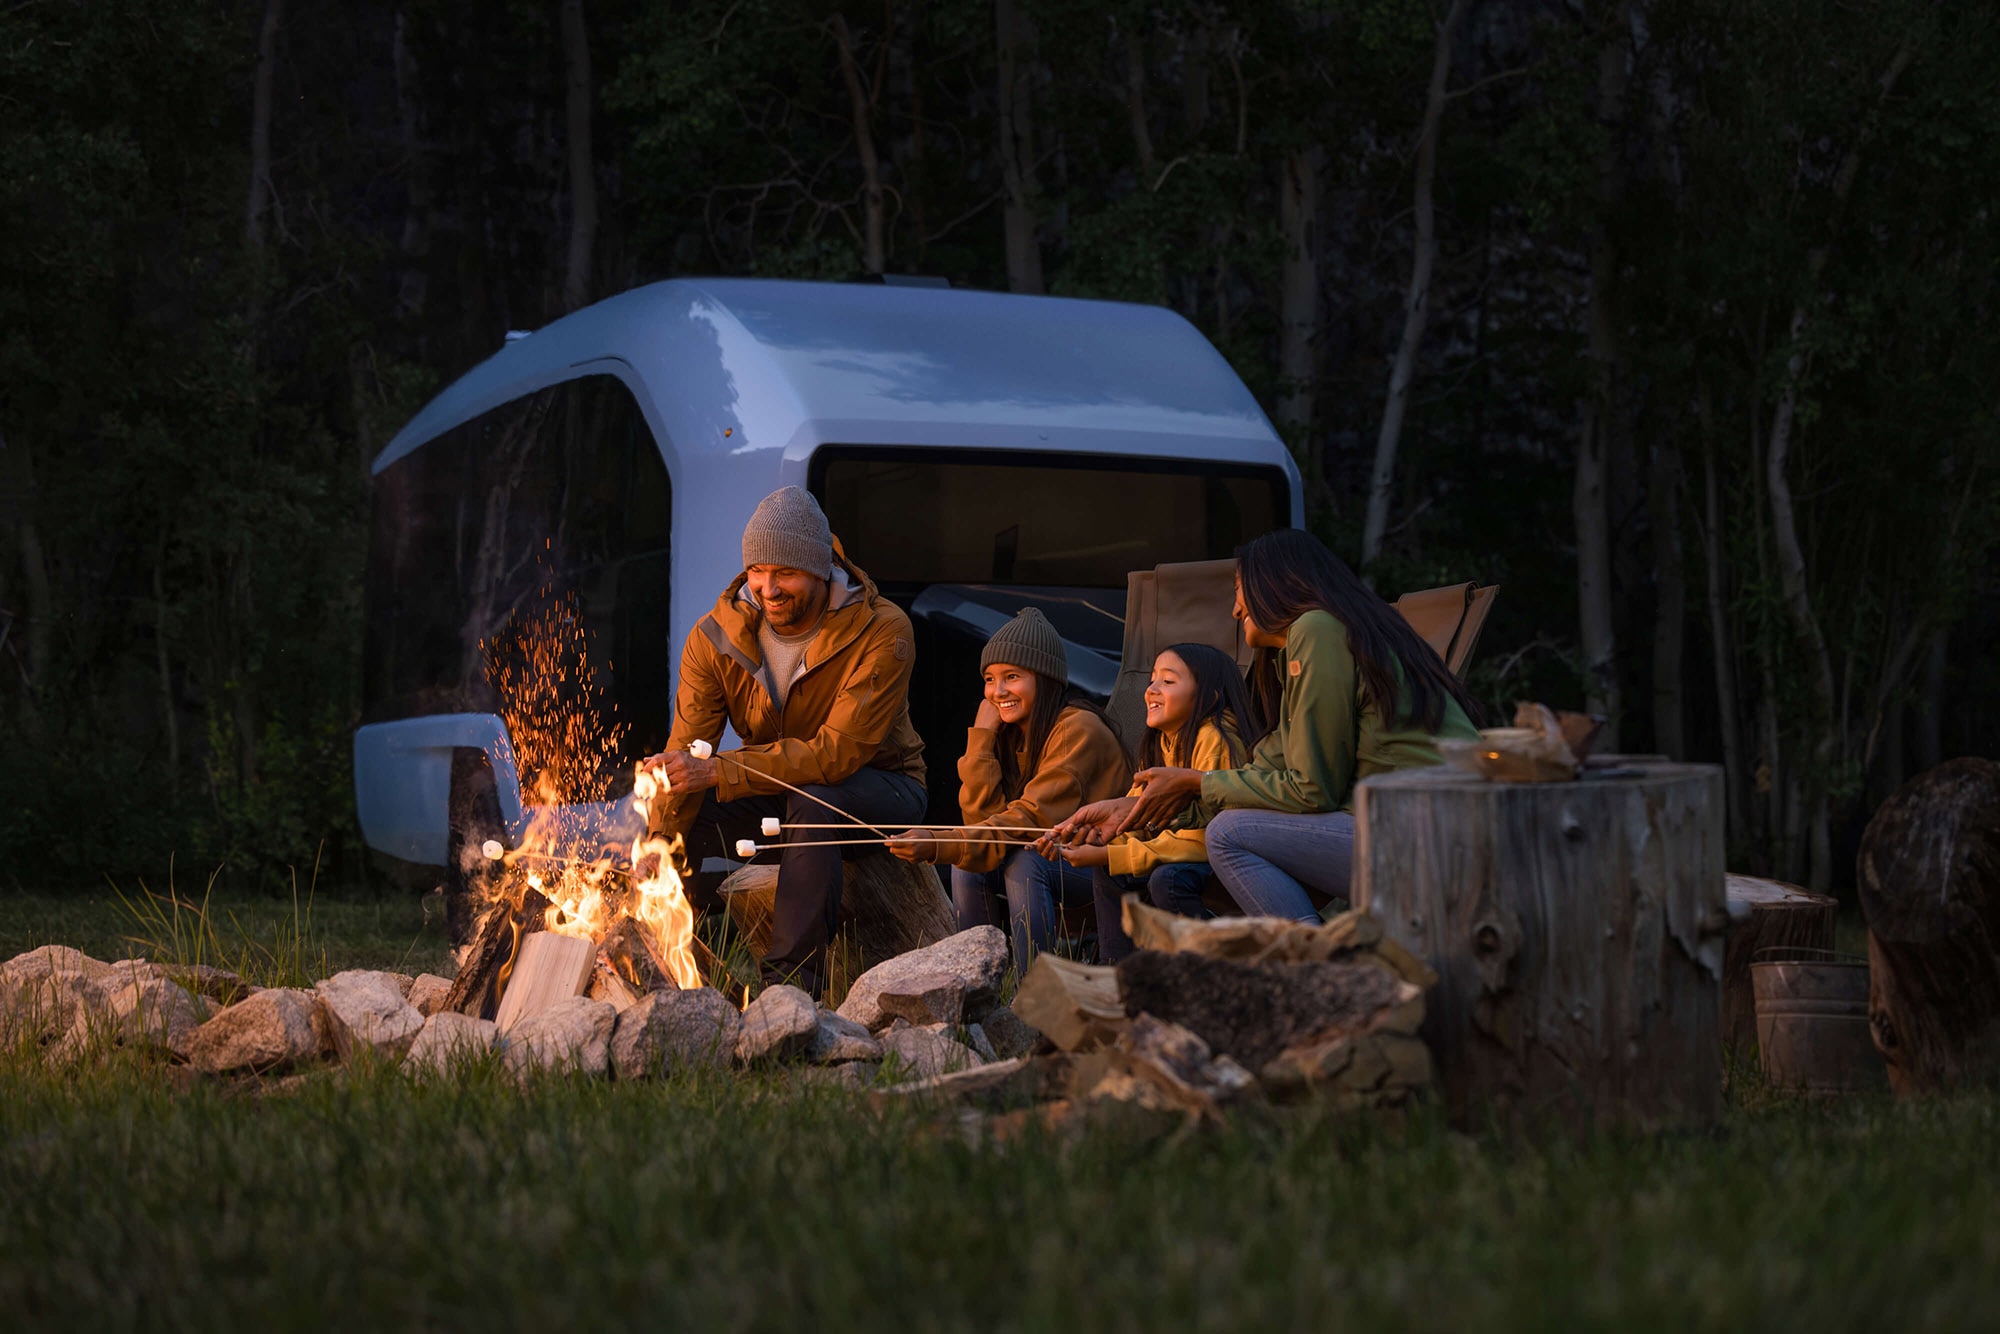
268,1031
664,1032
450,1039
367,1012
780,1025
44,992
152,1011
977,958
403,982
975,1038
1009,1034
924,998
208,981
926,1055
427,992
839,1040
574,1034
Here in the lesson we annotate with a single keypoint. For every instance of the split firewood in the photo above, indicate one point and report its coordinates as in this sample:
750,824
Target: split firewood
548,969
606,985
1353,936
495,940
1074,1005
1182,1066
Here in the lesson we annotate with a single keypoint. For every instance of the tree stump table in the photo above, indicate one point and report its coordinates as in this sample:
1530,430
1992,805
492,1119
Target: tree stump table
1576,929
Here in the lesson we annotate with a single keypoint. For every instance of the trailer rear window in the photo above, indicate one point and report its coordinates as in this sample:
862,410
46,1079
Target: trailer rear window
928,516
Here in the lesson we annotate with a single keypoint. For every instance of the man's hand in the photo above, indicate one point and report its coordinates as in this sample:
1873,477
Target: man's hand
1083,854
1091,826
988,717
914,845
684,772
1165,794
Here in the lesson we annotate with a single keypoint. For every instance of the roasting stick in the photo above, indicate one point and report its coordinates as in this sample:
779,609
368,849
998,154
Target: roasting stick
702,750
772,826
748,848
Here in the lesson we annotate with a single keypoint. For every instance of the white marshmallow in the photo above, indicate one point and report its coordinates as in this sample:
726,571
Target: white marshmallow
770,826
701,750
491,847
745,849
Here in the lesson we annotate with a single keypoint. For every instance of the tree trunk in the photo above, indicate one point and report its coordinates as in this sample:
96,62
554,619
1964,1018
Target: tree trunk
1765,915
1298,312
1015,41
1601,429
582,160
1792,575
258,200
1670,603
1135,108
1577,932
1929,879
1735,759
874,255
35,632
168,713
1930,735
412,289
1417,300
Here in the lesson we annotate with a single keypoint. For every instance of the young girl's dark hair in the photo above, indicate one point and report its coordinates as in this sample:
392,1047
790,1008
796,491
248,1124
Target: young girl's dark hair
1286,573
1218,689
1052,696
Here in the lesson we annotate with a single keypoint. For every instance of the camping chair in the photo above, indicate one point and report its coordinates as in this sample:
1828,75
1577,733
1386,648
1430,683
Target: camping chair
1190,603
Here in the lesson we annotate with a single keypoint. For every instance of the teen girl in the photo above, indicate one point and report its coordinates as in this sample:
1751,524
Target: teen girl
1036,752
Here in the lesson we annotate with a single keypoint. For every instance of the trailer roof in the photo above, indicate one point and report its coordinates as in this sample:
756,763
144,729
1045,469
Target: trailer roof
740,365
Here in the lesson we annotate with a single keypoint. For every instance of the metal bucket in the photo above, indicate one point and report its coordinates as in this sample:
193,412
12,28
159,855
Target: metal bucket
1812,1023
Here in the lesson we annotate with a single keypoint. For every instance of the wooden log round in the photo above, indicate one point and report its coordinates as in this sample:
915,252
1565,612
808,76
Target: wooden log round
1929,880
1577,932
1765,915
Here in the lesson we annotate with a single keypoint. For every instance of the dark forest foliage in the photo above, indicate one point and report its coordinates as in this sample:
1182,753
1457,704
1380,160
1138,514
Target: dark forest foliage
1675,317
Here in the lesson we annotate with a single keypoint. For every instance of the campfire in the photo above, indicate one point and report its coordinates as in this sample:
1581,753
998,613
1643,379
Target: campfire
564,913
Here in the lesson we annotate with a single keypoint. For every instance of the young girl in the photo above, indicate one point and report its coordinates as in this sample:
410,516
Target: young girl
1037,751
1198,716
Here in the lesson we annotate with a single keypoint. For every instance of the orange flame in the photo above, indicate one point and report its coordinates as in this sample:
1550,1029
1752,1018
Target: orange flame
551,703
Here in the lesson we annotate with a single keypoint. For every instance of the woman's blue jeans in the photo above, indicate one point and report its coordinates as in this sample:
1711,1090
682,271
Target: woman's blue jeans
1277,865
1026,889
1172,886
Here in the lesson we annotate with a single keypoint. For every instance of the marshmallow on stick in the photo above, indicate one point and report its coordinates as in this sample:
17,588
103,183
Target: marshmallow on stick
770,826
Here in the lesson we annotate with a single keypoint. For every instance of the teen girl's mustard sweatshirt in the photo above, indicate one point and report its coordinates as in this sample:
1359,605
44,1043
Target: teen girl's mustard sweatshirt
1215,747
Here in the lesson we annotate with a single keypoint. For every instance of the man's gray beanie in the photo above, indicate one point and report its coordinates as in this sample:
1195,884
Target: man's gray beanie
789,529
1028,641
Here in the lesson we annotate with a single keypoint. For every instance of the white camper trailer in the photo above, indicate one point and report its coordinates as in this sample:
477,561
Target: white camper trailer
973,451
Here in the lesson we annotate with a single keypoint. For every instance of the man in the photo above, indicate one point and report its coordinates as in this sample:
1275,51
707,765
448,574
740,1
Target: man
811,666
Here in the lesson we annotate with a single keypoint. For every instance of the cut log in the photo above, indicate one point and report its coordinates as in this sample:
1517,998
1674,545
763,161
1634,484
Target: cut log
495,939
1576,929
1075,1005
1929,877
1765,915
888,907
548,969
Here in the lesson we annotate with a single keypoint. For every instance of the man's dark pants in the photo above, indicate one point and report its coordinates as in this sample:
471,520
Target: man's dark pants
807,913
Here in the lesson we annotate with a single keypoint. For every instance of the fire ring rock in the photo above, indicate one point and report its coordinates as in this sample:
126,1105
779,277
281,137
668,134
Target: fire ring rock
673,1030
780,1025
450,1039
926,1053
572,1034
269,1031
923,998
976,957
841,1040
367,1010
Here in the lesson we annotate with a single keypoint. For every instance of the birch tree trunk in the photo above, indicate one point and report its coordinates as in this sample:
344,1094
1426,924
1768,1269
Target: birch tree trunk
1601,430
1417,301
582,158
1792,575
1015,42
1670,603
874,255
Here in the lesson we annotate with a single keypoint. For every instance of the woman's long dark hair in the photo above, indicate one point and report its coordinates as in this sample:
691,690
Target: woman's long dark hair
1052,696
1287,573
1218,689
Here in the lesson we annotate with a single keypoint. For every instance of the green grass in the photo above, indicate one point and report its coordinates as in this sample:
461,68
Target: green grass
134,1199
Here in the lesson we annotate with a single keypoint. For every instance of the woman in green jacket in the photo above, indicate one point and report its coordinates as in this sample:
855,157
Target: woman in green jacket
1354,692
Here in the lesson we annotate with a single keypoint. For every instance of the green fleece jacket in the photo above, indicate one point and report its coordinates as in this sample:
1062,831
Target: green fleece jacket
1328,736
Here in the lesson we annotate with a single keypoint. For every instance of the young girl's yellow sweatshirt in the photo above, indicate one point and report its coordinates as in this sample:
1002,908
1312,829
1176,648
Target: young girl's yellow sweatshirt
1215,747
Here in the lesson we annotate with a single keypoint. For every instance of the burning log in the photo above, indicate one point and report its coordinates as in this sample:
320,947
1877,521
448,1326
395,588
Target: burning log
548,968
